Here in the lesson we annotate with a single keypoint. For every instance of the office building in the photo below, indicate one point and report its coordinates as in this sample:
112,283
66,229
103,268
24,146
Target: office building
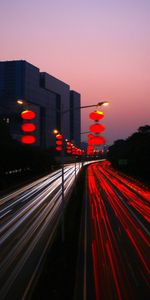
50,98
75,121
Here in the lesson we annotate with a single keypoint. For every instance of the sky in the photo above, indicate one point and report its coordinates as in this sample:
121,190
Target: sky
101,48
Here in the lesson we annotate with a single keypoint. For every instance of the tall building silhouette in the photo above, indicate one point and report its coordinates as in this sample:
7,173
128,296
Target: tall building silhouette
48,96
75,121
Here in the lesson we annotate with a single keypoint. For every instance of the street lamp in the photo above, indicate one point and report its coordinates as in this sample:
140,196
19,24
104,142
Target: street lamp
20,102
102,103
62,112
55,131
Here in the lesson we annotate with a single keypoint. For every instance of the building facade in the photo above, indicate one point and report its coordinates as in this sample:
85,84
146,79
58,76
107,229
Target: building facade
75,119
50,98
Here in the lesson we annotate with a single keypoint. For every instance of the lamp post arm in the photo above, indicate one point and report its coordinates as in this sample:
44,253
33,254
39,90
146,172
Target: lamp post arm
93,105
79,107
85,106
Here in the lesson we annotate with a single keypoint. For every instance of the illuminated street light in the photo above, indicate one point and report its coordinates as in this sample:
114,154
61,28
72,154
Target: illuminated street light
104,103
22,102
55,131
19,101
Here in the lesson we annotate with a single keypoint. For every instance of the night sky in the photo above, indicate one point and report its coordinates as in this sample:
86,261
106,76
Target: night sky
101,48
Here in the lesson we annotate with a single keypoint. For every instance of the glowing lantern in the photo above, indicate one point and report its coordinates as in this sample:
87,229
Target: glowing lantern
90,147
58,148
28,127
28,114
79,152
96,115
73,150
90,150
59,142
68,147
59,136
28,139
97,140
68,151
90,135
97,128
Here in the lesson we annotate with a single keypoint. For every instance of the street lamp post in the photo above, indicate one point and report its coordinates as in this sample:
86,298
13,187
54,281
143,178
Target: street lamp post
63,112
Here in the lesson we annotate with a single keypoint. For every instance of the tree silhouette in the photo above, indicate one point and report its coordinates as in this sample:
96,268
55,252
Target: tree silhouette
136,151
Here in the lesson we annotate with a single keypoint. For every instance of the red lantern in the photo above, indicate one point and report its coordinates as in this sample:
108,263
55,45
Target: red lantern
59,143
68,151
28,139
90,147
28,127
97,128
59,136
97,140
90,150
59,148
28,114
68,146
96,115
90,135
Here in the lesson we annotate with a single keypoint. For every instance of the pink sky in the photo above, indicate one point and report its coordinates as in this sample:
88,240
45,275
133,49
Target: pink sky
101,48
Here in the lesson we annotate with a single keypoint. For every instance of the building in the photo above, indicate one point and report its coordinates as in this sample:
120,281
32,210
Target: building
50,98
75,121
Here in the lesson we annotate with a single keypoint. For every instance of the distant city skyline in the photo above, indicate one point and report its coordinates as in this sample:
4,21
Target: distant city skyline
100,48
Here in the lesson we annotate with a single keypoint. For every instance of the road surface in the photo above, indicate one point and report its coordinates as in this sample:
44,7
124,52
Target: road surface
29,219
119,215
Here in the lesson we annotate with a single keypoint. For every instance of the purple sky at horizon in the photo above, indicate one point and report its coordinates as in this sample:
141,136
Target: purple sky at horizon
101,48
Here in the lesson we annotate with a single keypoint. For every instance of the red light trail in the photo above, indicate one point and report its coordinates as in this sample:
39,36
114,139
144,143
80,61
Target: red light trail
120,214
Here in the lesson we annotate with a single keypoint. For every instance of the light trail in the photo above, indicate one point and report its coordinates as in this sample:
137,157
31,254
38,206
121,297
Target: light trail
29,218
120,234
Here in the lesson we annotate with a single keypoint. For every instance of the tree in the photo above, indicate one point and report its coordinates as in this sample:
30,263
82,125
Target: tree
144,129
136,151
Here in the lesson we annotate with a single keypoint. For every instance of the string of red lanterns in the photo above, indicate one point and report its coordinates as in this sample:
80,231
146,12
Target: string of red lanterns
97,129
59,142
28,127
69,147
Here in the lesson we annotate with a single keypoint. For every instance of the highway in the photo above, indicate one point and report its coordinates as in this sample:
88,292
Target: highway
119,234
29,219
